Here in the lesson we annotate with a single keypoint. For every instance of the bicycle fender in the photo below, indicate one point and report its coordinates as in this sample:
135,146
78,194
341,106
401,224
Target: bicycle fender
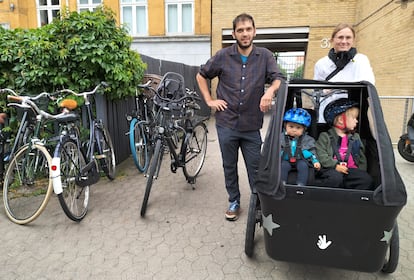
55,175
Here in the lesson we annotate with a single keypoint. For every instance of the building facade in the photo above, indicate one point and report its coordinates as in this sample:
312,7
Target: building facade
190,31
174,30
384,32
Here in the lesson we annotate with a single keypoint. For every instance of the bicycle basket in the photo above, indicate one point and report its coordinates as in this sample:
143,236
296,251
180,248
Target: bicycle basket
155,81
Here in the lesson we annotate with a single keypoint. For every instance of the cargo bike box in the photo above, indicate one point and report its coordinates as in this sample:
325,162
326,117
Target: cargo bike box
343,228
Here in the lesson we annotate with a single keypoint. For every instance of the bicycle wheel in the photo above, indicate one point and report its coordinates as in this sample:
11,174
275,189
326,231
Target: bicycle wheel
27,184
195,151
74,199
106,153
155,164
393,252
138,145
253,217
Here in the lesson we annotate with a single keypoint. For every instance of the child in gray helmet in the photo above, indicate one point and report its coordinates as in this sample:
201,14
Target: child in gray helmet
340,149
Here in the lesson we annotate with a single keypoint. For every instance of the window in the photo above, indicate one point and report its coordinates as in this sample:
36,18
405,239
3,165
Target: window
88,5
134,16
179,16
47,10
5,25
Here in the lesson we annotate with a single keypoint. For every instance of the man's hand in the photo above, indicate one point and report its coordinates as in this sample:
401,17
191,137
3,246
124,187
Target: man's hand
219,104
266,101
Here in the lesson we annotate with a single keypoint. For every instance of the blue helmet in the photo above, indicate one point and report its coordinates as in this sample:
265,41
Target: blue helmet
298,115
336,108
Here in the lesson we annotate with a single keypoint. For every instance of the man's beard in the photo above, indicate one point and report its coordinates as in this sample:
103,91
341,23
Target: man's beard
243,47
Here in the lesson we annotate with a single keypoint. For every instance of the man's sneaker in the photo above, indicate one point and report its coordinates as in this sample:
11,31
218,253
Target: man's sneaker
232,213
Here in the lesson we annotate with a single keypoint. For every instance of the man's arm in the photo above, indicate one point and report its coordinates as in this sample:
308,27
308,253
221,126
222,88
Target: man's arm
266,100
218,104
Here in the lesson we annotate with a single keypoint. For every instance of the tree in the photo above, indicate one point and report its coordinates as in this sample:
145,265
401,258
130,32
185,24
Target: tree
76,51
298,73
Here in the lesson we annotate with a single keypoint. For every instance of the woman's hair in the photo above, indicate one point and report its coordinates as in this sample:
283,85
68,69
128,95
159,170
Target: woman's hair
241,18
341,26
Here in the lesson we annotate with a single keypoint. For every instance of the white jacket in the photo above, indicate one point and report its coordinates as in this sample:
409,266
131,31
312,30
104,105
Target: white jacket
358,69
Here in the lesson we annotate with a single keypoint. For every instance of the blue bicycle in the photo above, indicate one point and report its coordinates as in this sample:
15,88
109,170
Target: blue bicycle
140,121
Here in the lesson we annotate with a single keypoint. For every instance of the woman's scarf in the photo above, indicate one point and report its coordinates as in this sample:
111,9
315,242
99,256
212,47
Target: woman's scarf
342,58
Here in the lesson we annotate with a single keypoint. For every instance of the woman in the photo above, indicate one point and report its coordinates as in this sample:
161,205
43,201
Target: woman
352,66
342,64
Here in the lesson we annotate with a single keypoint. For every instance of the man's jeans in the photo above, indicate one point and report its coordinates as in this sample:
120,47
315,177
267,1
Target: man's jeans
230,141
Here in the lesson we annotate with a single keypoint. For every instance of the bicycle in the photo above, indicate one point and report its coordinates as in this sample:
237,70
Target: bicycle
77,164
140,121
28,183
25,129
319,97
177,130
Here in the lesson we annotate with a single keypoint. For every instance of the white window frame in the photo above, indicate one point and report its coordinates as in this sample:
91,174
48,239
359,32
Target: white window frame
90,6
179,4
5,25
133,4
49,8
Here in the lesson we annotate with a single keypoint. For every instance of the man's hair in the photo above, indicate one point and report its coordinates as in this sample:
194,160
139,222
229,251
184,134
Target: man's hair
341,26
241,18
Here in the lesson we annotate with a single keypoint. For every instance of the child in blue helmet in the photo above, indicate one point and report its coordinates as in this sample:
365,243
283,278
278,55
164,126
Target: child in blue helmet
340,149
297,146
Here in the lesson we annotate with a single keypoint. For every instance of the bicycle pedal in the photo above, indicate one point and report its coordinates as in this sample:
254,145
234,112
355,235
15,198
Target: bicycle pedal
100,156
88,167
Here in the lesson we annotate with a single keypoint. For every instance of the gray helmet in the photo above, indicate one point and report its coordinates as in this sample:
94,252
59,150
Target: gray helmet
336,108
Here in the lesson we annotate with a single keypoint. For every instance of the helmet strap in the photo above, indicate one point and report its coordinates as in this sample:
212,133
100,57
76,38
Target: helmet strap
343,126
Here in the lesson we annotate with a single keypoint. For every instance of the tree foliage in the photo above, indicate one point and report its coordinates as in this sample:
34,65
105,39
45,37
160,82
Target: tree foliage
76,51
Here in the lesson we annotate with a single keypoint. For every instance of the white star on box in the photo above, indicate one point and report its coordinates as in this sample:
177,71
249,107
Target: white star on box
387,236
268,223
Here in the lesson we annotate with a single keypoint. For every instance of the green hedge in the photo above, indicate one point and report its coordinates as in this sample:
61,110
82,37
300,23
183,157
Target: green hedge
76,51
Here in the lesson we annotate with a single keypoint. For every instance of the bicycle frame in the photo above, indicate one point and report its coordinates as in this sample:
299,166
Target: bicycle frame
90,173
166,131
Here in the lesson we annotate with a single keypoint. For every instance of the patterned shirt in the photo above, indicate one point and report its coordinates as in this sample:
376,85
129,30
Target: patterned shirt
241,85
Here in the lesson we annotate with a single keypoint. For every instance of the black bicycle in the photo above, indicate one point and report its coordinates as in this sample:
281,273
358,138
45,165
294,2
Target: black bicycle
77,164
10,143
178,130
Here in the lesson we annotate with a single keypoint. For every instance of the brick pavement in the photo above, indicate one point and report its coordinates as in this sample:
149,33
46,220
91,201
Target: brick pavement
183,236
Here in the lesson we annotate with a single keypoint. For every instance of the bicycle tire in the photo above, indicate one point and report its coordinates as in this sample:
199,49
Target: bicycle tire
155,163
27,184
138,145
106,153
393,252
251,225
404,148
74,199
195,151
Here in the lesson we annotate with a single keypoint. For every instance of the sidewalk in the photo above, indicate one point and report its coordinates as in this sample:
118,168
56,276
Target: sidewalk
183,236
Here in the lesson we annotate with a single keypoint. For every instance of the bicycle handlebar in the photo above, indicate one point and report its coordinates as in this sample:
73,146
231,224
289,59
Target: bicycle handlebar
85,93
146,85
27,102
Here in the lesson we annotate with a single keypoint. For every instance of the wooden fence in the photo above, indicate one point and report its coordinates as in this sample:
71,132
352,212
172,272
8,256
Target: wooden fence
113,114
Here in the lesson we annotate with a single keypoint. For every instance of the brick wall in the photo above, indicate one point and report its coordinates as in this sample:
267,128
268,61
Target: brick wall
384,34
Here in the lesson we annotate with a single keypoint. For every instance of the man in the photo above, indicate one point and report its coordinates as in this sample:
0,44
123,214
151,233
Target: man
243,70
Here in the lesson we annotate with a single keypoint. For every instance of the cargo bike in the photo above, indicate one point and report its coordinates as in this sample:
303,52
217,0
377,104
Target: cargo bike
342,228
